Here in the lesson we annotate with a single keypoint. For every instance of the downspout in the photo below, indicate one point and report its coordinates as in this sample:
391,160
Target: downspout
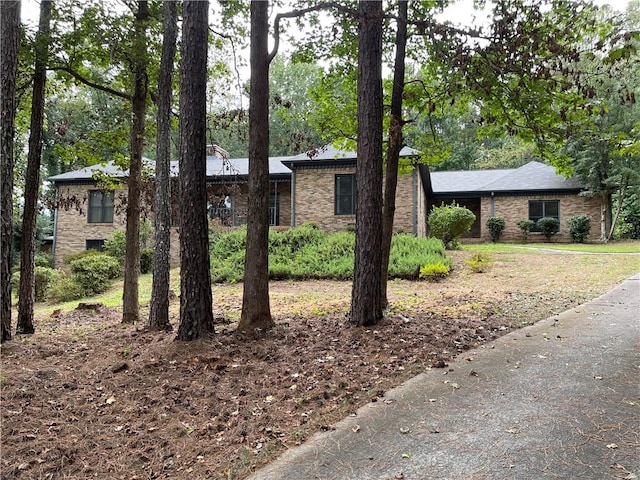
293,198
493,205
414,199
55,229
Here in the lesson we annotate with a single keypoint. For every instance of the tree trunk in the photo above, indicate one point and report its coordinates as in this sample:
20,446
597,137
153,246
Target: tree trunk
32,179
9,47
256,312
621,194
366,304
159,310
196,315
395,146
130,309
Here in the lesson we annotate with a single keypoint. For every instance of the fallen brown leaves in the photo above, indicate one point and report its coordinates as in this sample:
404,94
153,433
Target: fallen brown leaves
87,397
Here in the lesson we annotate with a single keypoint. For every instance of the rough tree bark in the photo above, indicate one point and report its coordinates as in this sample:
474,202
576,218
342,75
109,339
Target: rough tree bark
9,47
32,179
130,305
256,311
196,315
366,304
395,145
159,311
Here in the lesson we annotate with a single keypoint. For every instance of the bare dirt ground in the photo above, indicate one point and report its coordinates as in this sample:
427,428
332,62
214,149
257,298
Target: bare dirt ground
87,397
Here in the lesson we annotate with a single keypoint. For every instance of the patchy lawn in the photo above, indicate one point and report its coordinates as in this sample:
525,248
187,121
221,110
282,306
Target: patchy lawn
86,397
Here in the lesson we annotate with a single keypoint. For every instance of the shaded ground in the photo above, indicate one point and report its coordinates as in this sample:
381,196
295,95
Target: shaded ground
89,398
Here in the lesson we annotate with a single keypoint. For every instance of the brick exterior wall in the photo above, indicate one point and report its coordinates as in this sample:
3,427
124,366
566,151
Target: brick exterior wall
72,227
315,200
514,209
73,230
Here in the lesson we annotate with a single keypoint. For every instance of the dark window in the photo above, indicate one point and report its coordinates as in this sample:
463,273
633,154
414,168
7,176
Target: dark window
95,245
100,207
544,208
345,194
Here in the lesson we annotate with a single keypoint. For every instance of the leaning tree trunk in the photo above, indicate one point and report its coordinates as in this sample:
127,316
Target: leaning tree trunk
366,304
196,315
9,47
32,179
159,310
256,312
130,306
394,148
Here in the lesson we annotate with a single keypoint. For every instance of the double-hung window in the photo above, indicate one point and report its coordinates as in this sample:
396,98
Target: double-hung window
543,208
345,198
100,207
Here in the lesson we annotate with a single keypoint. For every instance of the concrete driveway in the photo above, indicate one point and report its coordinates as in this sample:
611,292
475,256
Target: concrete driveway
557,400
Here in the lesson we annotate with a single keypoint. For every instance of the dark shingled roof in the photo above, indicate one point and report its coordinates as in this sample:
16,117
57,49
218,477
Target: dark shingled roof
216,168
330,153
532,176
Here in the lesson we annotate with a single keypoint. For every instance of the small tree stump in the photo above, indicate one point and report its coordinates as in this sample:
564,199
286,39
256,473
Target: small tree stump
90,306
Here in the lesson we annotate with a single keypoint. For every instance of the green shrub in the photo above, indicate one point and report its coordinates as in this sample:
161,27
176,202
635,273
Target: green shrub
146,260
409,253
496,227
434,271
449,223
548,226
45,277
116,246
44,260
65,289
312,254
479,263
67,259
94,273
526,226
579,227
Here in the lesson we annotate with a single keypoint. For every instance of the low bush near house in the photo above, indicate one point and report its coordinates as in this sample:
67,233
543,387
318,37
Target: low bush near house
116,246
65,289
67,259
449,222
44,260
548,226
434,271
45,278
496,227
479,263
579,227
311,253
94,273
526,226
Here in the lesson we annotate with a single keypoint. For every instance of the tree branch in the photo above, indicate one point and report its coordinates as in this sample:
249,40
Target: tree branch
298,13
91,84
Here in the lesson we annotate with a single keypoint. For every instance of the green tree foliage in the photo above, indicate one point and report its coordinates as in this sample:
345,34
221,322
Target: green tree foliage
606,152
449,222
